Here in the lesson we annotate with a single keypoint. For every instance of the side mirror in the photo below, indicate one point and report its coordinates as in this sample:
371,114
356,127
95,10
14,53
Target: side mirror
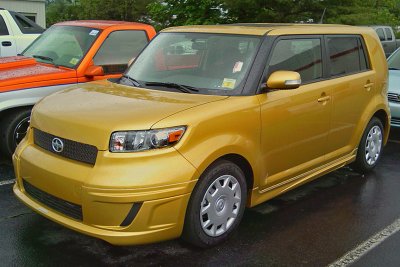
94,71
283,79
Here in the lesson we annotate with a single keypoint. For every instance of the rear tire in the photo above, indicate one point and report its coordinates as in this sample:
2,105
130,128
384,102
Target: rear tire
370,147
216,205
13,129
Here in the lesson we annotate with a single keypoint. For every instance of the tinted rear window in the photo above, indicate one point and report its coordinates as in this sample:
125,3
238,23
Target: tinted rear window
346,55
381,34
3,27
26,25
389,34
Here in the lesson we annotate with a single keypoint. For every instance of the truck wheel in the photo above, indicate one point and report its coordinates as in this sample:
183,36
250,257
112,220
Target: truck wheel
216,206
13,129
370,147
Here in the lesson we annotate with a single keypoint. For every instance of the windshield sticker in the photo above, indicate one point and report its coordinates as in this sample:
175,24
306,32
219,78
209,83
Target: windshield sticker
238,67
74,61
229,83
94,32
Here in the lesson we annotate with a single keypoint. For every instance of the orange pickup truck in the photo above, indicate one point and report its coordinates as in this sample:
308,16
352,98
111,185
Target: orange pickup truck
67,53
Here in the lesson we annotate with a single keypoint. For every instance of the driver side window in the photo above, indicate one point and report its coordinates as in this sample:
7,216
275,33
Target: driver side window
301,55
118,49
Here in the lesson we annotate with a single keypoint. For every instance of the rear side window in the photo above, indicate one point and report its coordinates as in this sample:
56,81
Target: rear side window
381,34
346,55
3,27
300,55
389,35
26,25
128,44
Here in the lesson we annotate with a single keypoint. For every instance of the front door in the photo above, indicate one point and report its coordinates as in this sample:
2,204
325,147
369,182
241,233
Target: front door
295,123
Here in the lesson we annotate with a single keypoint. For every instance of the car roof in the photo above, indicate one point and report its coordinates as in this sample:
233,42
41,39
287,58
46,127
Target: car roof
272,28
100,24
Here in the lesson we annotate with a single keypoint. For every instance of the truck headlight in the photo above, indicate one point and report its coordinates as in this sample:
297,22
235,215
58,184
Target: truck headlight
132,141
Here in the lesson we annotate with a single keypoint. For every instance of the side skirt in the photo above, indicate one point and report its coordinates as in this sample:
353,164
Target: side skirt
260,196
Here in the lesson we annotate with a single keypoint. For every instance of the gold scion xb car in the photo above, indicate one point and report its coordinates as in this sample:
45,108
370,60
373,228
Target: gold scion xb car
207,121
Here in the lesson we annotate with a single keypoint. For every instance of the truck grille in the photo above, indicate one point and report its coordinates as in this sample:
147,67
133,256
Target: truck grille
395,121
71,149
392,97
67,208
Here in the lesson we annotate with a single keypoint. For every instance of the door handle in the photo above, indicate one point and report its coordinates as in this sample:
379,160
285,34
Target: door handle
6,43
324,99
368,86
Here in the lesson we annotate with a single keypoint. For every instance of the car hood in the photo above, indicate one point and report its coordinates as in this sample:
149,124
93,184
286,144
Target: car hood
90,112
23,72
394,81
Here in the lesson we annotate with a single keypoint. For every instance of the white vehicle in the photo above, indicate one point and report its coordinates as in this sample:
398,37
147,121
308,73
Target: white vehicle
16,32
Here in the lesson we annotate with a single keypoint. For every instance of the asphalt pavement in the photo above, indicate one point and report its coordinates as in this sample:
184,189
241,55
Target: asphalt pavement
342,218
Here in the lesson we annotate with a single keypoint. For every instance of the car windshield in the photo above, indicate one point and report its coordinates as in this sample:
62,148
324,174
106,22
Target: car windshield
62,45
394,61
195,62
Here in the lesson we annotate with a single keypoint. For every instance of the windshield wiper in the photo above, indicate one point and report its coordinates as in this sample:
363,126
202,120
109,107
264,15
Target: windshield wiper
394,69
133,81
44,58
180,87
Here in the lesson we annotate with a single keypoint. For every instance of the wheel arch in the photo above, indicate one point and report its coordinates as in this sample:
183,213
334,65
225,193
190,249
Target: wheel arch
384,118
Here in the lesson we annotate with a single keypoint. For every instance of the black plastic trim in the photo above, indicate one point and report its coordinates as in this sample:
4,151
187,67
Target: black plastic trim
132,214
62,206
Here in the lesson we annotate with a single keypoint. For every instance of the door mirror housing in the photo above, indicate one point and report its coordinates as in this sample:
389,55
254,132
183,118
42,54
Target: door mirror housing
94,71
283,79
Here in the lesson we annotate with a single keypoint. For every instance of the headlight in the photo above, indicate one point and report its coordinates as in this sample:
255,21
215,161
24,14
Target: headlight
131,141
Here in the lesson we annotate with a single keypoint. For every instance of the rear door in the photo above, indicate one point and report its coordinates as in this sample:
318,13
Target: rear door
7,41
351,92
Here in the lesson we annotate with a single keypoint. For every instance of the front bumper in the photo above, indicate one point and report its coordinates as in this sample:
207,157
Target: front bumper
395,113
108,192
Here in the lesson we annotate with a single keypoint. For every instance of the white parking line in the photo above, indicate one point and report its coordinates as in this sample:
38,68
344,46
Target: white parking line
368,245
7,182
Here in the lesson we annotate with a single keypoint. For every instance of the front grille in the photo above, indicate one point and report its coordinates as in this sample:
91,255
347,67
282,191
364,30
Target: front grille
395,121
71,149
62,206
392,97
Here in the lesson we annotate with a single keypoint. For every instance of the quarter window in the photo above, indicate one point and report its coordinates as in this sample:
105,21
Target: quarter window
3,27
300,55
128,43
346,55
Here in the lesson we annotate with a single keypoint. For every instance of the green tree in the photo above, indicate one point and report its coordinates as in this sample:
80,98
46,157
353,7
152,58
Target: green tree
127,10
188,12
61,10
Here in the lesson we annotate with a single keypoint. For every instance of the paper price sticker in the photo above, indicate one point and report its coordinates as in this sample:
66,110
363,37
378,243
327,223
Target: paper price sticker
74,61
229,83
94,32
238,67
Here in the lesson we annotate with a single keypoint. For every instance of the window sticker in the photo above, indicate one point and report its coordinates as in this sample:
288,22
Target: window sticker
74,61
94,32
229,83
238,67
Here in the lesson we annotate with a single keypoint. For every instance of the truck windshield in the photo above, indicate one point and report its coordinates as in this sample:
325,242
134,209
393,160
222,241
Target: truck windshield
394,61
195,63
62,45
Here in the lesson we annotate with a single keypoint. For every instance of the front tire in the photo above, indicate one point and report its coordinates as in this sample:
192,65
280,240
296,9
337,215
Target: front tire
216,206
13,128
370,147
